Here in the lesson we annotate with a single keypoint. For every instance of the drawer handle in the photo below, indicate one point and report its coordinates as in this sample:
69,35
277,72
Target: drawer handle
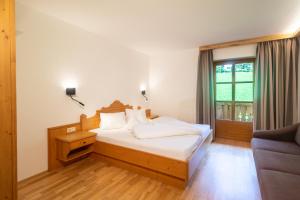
83,142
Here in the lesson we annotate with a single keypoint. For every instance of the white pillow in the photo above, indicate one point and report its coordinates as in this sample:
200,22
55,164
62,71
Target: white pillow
135,117
112,120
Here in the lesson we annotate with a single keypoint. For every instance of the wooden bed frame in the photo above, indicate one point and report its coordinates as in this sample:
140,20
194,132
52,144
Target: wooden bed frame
168,170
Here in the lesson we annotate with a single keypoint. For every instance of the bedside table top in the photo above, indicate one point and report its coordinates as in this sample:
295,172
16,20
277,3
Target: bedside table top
71,137
154,116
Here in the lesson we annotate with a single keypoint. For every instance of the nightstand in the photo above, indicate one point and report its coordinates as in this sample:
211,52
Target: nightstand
74,145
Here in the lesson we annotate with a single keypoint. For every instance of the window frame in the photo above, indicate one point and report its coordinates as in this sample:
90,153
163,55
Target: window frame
233,62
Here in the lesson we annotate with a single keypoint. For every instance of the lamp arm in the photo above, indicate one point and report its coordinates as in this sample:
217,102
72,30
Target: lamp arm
76,100
146,98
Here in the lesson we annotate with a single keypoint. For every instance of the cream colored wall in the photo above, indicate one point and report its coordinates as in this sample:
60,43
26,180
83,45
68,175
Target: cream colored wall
51,52
235,52
172,82
173,79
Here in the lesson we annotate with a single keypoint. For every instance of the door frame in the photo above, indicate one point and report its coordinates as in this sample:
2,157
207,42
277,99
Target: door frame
8,120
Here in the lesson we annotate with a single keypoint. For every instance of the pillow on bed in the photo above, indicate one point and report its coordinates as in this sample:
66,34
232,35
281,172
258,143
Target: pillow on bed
135,117
112,120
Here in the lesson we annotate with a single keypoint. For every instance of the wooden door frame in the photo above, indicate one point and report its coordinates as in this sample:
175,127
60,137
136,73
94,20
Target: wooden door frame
8,120
231,129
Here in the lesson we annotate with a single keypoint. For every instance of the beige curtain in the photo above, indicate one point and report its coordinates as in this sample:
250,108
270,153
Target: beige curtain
276,84
205,89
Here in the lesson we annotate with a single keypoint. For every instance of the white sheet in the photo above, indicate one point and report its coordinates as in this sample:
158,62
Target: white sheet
176,147
165,127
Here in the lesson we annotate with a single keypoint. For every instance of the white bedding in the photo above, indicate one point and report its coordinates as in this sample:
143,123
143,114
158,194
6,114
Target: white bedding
176,147
165,127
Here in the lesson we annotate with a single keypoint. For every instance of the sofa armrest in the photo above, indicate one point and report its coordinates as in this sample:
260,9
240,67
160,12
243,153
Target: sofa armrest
283,134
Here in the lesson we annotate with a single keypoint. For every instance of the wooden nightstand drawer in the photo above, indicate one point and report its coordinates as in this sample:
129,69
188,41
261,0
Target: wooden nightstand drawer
82,142
75,145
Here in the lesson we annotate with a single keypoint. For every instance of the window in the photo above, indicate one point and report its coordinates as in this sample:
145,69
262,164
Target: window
234,90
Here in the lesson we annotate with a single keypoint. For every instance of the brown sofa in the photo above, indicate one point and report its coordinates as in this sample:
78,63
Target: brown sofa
277,159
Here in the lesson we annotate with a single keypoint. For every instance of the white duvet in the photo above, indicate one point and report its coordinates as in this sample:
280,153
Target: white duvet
165,127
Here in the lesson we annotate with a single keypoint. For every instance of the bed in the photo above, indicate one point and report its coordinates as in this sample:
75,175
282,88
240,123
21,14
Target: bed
172,160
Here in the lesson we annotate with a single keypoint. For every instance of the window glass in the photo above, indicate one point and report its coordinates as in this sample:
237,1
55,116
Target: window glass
224,73
224,92
244,92
244,72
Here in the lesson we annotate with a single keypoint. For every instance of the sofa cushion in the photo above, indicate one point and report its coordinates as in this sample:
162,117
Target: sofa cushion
277,161
278,146
297,136
277,185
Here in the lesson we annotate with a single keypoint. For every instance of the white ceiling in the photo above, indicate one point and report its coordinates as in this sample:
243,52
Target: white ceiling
152,26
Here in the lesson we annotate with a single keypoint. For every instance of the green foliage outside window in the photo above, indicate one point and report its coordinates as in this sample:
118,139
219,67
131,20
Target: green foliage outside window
224,92
243,73
224,73
243,92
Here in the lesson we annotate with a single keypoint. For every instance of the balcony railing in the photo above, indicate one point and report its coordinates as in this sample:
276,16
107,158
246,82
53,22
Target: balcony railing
242,111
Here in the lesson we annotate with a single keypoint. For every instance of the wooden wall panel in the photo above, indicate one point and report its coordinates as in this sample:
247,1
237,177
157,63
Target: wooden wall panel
8,170
234,130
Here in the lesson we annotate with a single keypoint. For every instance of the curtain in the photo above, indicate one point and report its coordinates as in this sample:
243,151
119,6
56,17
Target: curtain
205,89
276,84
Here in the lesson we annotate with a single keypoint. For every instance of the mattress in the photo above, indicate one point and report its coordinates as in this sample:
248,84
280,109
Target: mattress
175,147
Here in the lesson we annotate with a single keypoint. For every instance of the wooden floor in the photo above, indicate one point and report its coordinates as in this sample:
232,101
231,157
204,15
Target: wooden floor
227,173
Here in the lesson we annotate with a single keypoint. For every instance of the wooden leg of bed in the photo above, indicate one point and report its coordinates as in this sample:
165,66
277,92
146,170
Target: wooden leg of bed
177,182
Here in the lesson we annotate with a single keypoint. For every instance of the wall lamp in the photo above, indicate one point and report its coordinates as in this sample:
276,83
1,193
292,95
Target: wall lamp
143,92
71,92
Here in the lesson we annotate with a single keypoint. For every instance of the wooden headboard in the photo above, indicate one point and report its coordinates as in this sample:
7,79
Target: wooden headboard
88,123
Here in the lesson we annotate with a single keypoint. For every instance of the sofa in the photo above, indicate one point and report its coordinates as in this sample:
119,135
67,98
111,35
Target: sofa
277,159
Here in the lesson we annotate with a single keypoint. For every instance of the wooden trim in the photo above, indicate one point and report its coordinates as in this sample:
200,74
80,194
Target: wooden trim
249,41
8,133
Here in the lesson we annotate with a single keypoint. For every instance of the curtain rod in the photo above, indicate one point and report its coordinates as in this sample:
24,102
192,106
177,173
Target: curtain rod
250,41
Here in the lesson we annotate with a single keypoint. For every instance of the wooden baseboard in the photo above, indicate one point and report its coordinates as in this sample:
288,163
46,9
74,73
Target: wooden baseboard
33,178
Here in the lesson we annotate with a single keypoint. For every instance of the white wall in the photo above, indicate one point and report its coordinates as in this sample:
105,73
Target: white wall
51,52
235,52
172,82
173,79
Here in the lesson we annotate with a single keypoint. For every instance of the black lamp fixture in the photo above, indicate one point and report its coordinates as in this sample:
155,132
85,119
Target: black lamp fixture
71,92
143,92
